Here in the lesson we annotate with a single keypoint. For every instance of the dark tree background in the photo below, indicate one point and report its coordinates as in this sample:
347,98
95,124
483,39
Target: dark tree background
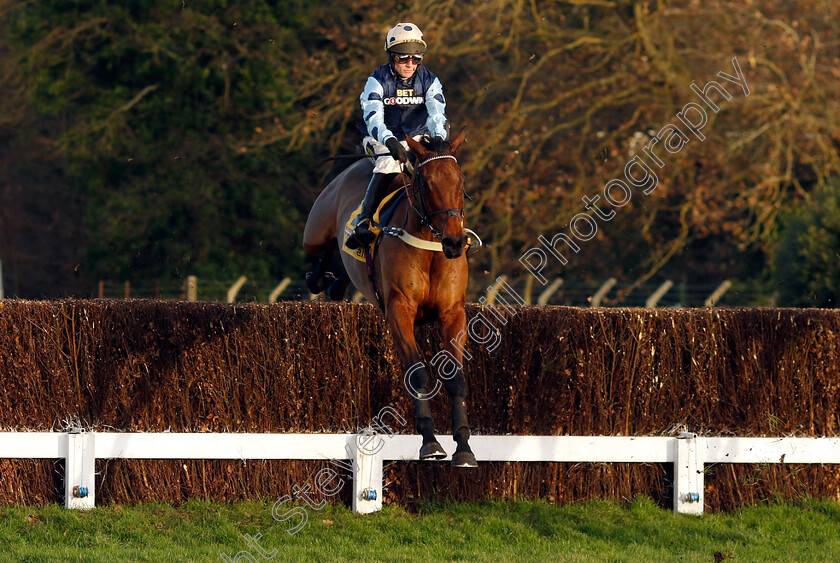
153,140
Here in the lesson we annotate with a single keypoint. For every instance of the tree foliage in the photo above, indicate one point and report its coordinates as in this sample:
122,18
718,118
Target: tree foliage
39,215
557,97
149,102
189,131
808,261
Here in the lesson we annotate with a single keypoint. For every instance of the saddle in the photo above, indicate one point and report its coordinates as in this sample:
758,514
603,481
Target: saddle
384,212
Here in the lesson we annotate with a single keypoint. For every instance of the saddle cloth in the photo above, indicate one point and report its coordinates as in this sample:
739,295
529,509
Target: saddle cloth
383,214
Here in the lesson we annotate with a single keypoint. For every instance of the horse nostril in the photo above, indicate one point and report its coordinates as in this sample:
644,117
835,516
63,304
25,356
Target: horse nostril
454,247
452,252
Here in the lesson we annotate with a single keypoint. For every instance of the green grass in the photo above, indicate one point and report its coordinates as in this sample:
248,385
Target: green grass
495,532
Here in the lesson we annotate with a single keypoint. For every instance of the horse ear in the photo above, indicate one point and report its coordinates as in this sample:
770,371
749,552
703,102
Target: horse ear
418,149
456,143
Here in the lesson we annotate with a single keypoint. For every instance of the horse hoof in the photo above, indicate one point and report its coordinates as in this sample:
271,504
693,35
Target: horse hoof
312,283
338,288
335,293
432,452
317,285
464,459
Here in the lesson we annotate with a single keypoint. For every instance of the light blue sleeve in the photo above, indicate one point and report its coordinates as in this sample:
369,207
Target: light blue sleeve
373,110
436,107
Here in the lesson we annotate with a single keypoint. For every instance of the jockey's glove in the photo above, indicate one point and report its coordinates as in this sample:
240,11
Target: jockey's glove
396,149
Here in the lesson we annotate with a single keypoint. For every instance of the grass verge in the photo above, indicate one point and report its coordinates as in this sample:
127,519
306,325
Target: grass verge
493,532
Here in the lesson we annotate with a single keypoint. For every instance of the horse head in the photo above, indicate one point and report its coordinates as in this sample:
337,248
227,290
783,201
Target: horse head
437,192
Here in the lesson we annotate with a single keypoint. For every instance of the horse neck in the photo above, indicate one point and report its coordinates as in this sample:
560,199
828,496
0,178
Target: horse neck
413,224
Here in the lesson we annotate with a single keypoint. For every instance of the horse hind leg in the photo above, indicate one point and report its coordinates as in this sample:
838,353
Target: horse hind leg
318,279
328,275
338,288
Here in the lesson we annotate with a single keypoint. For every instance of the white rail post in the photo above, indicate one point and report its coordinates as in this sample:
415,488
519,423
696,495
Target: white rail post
712,299
192,288
234,289
79,470
658,294
688,474
529,287
602,292
272,297
549,291
367,482
493,290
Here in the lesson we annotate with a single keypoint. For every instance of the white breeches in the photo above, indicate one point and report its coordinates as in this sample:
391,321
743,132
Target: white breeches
385,164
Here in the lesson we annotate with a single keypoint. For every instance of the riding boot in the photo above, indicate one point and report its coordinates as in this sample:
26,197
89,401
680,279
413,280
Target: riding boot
363,236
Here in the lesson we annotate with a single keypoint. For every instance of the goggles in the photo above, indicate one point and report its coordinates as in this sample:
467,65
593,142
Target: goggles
405,58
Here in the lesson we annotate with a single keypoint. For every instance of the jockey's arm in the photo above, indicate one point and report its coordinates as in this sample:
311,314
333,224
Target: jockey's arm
373,111
436,107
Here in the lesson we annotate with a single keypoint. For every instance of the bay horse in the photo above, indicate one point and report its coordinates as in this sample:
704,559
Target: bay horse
416,285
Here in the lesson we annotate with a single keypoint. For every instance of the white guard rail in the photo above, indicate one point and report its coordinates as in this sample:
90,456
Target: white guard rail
367,451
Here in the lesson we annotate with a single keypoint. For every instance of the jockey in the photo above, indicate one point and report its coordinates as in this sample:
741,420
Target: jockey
400,98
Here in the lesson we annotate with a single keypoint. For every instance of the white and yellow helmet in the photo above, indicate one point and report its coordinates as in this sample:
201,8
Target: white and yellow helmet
405,39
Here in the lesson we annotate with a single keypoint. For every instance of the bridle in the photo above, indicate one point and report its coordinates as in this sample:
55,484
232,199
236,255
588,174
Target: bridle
414,191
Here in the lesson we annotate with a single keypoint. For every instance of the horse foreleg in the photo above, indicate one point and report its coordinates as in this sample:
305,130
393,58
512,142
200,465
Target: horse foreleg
454,332
401,320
